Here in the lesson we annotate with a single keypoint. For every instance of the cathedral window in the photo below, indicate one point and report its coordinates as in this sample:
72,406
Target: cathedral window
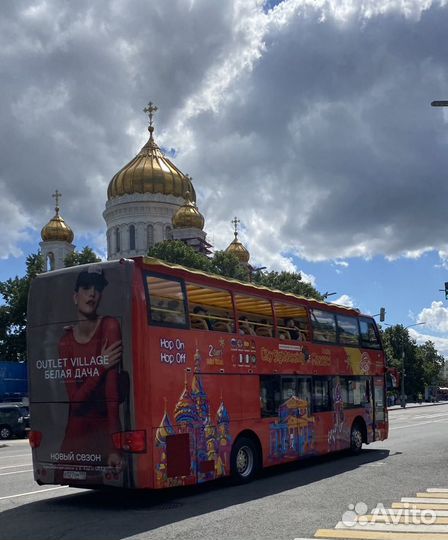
132,237
168,233
150,232
117,240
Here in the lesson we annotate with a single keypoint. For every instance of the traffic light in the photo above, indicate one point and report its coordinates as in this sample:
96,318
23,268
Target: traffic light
446,290
383,311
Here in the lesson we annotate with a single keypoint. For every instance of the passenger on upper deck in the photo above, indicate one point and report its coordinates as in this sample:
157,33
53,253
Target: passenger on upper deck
245,328
293,330
202,315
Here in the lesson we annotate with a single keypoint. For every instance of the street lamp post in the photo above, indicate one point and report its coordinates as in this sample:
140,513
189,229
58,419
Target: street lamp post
403,373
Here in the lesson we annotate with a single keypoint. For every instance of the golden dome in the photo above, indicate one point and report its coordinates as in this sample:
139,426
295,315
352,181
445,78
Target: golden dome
237,248
150,172
56,228
188,215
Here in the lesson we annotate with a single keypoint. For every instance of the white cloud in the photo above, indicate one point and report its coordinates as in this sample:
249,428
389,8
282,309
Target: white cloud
344,300
440,343
435,317
292,119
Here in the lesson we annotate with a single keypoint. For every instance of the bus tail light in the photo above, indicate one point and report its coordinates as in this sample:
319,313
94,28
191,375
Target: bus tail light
35,438
130,441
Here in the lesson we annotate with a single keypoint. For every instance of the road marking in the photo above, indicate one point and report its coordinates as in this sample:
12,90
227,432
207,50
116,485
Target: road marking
434,495
416,424
431,415
376,535
33,492
427,499
391,527
437,490
13,466
15,472
15,455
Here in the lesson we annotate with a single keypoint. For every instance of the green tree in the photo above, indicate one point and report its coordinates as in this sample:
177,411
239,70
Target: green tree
86,256
13,312
287,282
176,251
422,363
228,265
432,363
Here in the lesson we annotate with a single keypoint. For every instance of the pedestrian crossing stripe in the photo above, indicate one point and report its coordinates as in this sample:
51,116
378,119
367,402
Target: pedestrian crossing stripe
420,506
329,534
435,495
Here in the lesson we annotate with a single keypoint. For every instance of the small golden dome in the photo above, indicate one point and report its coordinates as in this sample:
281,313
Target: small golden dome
188,215
56,228
236,247
150,172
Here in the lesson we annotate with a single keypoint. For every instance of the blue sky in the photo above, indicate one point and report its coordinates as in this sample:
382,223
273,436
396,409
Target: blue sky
310,120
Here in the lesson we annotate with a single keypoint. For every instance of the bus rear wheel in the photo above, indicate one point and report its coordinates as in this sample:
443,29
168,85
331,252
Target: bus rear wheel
244,460
356,439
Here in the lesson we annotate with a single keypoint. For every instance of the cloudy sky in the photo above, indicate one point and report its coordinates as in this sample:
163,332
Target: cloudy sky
310,120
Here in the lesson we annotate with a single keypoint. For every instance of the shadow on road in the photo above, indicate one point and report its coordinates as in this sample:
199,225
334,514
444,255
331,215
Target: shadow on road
112,515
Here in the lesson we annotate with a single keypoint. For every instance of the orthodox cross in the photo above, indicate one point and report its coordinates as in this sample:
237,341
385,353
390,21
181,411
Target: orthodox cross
57,196
235,222
150,109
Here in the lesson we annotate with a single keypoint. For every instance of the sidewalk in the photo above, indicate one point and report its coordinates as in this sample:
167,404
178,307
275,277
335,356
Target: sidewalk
411,405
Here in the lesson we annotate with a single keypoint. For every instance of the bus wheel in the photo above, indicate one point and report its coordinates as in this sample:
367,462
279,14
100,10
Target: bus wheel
356,439
244,460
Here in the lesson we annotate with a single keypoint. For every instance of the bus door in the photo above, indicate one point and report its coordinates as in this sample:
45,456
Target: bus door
379,417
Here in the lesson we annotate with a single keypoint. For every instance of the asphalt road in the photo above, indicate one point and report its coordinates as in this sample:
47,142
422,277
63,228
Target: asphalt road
284,503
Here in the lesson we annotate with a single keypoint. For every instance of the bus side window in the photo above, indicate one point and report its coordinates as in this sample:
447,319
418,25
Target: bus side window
166,301
210,308
321,394
254,315
292,321
270,396
324,325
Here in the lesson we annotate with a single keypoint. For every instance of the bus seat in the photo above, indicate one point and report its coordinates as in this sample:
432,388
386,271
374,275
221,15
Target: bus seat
221,326
263,331
198,323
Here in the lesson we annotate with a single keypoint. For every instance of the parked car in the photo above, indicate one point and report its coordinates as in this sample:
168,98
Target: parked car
14,420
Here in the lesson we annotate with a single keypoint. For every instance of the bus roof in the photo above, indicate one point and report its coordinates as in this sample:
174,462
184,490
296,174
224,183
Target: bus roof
153,262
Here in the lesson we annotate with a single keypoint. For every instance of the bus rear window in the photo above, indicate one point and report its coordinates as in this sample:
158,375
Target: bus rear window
166,301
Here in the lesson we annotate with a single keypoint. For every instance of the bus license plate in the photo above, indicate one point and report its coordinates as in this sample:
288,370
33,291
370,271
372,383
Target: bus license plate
75,475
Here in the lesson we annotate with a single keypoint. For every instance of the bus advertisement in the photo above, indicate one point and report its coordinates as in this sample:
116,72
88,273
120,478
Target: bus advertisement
145,374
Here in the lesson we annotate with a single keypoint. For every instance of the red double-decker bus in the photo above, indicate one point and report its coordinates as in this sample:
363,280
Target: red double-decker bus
145,374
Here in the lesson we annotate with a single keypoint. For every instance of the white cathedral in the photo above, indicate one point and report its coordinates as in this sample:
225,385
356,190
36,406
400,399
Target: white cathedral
149,200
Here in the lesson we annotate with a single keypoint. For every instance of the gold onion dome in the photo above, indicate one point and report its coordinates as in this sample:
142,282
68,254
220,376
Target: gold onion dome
150,172
188,215
56,228
237,248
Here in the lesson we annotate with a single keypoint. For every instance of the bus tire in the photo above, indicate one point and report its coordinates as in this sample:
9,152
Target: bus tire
356,438
244,460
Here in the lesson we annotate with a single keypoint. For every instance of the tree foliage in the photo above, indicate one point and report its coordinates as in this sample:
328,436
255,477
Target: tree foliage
86,256
287,282
422,363
13,312
228,265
